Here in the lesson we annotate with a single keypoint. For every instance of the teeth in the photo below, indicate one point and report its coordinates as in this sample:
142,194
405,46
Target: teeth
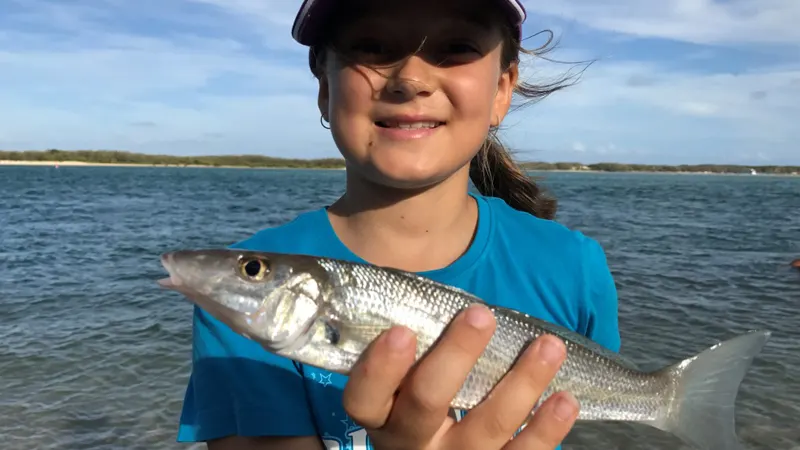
410,125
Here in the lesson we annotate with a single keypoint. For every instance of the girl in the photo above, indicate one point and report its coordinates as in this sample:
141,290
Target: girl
414,91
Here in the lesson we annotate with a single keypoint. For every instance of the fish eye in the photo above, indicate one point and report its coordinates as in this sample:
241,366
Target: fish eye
254,269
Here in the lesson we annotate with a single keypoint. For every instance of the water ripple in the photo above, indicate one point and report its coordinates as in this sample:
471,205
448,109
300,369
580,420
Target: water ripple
93,355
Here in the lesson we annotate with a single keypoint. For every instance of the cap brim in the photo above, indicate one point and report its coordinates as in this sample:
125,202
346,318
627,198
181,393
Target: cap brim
310,20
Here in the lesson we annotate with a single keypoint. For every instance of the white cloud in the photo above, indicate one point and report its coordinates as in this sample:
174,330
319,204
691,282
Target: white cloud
578,146
276,13
196,94
207,87
655,111
697,21
271,19
771,91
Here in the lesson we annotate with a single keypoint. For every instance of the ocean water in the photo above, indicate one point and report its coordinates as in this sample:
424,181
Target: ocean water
93,355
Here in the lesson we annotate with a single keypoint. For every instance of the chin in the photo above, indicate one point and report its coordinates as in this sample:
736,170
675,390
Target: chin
403,182
411,175
403,164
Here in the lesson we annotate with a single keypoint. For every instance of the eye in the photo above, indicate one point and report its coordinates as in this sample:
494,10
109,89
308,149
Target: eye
457,52
253,269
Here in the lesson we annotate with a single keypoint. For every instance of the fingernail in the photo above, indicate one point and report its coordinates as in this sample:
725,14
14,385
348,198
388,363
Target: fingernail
398,338
566,406
551,351
479,317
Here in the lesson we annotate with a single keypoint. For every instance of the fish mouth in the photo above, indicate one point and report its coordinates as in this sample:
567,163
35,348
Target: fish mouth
167,283
235,319
172,281
201,295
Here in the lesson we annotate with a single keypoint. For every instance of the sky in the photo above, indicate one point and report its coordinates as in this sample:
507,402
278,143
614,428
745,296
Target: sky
672,81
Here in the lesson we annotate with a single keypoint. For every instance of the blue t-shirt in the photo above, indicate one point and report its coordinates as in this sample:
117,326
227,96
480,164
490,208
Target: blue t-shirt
516,260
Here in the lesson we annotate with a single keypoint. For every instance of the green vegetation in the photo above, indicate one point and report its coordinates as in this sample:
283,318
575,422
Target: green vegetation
119,157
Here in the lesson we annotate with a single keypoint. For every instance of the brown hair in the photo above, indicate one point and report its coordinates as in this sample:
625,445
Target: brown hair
493,170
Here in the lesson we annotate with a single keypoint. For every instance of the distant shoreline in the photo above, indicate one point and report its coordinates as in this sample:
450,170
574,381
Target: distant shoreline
112,158
204,166
196,166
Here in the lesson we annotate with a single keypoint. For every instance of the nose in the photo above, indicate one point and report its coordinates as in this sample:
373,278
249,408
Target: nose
411,78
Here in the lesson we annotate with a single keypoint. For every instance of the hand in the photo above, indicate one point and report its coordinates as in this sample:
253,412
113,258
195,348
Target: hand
405,408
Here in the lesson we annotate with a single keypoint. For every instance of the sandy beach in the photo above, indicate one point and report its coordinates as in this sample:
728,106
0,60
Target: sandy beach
91,164
200,166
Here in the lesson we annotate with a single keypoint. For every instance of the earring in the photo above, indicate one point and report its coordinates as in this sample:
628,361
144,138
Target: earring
322,122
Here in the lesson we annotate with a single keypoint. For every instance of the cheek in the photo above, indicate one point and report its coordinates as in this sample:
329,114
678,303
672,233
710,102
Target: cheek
350,93
349,109
473,98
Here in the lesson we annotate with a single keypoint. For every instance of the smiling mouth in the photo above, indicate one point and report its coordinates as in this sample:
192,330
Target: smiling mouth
409,125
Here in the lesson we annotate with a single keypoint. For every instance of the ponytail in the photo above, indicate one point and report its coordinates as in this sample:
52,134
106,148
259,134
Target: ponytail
493,170
494,173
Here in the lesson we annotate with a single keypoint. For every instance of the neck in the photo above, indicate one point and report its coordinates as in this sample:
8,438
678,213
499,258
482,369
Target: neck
410,229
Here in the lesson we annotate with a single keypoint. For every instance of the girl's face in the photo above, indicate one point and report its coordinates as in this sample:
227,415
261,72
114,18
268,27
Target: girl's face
412,121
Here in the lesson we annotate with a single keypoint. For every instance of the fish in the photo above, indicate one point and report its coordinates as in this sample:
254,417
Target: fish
325,312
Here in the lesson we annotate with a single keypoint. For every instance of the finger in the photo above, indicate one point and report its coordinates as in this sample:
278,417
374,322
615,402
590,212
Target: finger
495,420
424,399
374,380
549,426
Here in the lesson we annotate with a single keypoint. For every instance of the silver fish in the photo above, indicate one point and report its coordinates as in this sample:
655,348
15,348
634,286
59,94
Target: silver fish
324,313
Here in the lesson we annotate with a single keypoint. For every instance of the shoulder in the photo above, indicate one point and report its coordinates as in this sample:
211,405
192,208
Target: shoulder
530,236
567,268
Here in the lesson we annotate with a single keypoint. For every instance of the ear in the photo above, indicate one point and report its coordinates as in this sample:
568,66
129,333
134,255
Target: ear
323,97
505,92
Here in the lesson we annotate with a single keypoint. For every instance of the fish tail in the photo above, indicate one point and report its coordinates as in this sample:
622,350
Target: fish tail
701,412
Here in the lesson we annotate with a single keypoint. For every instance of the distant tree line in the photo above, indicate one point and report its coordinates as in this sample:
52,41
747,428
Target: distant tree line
120,157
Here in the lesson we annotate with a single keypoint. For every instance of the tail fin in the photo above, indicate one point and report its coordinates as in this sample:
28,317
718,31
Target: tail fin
702,410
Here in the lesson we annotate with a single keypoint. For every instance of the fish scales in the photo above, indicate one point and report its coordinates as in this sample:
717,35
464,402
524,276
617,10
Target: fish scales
325,313
606,388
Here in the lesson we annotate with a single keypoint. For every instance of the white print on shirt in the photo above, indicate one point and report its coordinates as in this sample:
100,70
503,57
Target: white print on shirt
356,437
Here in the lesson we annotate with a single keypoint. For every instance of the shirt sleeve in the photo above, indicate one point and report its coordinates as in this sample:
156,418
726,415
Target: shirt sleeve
602,315
238,388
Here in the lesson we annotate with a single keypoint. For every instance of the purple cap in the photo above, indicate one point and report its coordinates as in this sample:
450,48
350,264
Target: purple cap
311,17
